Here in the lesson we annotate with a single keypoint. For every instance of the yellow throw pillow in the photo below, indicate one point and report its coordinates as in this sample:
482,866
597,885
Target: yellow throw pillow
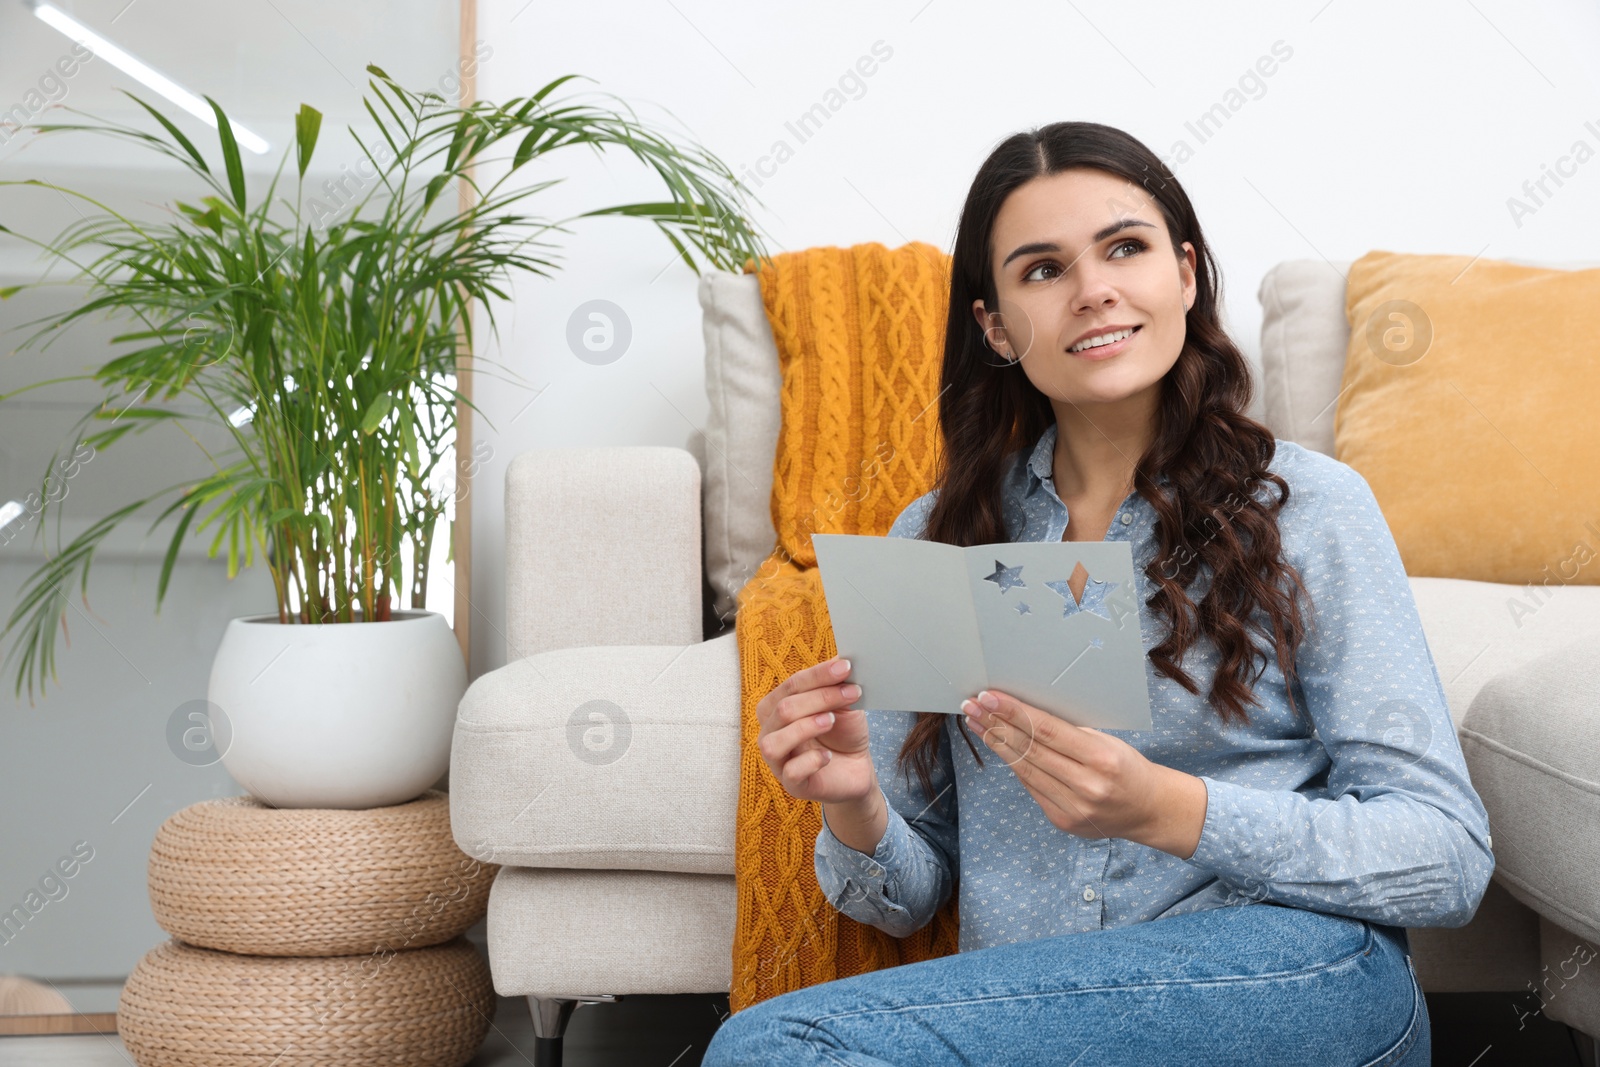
1469,404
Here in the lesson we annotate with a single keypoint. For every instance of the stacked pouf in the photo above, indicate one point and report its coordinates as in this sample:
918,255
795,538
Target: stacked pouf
311,937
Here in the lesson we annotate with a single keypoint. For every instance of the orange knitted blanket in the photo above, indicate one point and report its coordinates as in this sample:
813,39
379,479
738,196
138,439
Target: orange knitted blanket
860,336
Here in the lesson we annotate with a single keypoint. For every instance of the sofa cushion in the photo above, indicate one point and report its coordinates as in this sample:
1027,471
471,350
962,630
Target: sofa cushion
1303,341
622,757
1477,630
1466,405
741,435
1532,742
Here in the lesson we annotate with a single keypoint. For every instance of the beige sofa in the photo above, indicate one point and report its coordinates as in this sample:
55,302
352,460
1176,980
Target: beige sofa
600,765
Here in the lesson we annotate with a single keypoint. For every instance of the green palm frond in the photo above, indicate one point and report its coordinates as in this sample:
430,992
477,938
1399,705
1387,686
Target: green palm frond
324,338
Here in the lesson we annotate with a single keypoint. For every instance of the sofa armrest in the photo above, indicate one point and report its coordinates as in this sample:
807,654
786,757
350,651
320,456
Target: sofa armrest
1531,739
620,758
603,547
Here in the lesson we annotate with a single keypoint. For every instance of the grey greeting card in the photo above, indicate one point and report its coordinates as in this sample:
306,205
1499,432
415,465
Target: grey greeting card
927,625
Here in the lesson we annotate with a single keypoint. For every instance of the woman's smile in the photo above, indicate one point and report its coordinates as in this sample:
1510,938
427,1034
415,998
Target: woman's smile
1100,352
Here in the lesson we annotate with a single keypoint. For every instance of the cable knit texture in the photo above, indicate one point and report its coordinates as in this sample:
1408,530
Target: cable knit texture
860,334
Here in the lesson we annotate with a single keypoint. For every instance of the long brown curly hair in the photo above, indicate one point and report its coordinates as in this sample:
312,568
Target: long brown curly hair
1214,455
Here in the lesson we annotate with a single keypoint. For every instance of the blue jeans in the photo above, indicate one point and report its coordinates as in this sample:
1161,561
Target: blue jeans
1243,985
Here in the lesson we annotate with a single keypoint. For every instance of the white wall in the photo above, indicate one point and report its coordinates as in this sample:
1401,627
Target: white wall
1390,126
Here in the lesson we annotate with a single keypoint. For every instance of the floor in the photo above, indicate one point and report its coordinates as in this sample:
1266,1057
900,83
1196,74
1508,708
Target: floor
1469,1030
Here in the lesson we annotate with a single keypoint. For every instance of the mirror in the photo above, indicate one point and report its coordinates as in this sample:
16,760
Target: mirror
90,769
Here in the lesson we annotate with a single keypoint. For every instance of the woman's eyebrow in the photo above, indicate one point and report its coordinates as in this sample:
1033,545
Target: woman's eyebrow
1051,246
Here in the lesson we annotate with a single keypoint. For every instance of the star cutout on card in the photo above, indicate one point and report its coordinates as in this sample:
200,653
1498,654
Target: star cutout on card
1006,577
1023,609
1094,597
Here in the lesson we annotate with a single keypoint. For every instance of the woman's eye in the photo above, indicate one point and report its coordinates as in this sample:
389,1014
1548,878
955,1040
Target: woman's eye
1131,242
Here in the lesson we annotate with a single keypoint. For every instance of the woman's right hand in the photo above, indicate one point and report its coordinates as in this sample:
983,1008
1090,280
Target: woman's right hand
817,760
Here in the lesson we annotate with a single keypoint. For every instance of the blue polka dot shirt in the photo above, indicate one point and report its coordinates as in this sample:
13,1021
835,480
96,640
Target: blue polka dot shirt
1371,814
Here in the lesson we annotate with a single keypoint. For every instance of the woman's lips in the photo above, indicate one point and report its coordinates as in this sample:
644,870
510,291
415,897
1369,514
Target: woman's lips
1107,351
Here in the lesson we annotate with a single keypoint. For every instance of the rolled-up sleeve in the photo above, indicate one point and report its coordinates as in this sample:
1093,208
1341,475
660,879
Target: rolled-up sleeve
1400,835
912,871
858,885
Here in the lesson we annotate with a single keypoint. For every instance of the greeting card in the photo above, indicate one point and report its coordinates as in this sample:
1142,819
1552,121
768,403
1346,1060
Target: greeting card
927,625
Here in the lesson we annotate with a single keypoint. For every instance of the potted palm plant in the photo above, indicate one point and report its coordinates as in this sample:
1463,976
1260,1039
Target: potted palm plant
325,342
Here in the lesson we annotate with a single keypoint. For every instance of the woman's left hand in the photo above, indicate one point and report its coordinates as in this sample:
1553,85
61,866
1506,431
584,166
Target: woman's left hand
1087,782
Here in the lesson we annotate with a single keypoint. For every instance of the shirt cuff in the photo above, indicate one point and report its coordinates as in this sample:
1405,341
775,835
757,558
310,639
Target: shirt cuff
866,870
865,886
1242,838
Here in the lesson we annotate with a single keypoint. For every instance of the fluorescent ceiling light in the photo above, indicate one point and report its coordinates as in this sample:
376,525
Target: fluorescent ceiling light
194,105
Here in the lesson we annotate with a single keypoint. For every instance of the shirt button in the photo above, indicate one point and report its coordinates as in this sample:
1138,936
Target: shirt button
1490,839
1088,893
1126,518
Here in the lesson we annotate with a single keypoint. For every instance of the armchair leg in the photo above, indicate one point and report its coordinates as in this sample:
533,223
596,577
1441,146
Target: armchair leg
550,1015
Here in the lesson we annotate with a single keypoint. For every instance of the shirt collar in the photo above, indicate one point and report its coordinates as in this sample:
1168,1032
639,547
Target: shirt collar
1041,463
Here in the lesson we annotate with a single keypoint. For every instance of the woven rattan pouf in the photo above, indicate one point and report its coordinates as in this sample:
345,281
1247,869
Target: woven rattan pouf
311,937
184,1006
237,875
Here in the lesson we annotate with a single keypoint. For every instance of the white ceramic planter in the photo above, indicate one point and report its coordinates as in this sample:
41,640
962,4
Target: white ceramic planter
337,715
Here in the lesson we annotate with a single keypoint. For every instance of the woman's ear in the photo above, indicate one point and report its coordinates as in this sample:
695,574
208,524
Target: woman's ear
990,336
979,313
1186,275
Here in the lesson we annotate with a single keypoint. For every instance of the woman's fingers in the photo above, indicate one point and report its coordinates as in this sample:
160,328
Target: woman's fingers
795,714
802,706
825,677
779,745
804,765
815,701
828,672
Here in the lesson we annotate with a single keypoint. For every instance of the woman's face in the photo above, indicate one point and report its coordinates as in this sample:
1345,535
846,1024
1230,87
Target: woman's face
1077,255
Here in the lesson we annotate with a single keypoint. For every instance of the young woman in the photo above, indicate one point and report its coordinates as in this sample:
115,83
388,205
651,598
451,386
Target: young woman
1232,886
